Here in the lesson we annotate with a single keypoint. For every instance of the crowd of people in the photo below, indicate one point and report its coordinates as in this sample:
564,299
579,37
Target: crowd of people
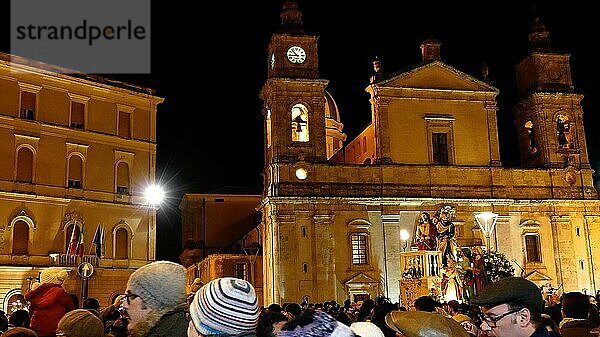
155,303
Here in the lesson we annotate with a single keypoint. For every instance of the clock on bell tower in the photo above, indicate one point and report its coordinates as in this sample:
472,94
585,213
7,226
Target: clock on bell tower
293,94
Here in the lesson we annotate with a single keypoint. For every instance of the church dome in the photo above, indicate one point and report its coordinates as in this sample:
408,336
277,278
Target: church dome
331,109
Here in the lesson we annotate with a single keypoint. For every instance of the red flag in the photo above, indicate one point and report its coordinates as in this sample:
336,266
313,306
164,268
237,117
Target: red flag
74,241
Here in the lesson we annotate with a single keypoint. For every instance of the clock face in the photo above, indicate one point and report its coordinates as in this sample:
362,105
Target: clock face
296,54
273,61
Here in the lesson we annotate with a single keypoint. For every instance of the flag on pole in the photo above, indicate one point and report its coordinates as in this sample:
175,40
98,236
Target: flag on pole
80,244
102,242
97,241
72,250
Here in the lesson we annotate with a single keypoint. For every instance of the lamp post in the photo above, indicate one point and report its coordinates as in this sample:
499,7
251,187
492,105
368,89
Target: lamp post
487,222
154,195
404,236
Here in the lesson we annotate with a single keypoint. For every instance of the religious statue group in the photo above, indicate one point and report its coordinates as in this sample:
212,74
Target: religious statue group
463,268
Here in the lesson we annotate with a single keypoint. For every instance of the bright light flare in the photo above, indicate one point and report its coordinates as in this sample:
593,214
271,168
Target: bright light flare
404,235
154,195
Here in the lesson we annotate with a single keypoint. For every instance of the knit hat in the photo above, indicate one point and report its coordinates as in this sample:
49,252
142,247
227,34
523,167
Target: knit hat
81,322
321,325
225,306
366,329
55,275
19,332
422,323
160,284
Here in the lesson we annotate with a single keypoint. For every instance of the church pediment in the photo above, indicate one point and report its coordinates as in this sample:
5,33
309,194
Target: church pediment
361,279
436,75
537,277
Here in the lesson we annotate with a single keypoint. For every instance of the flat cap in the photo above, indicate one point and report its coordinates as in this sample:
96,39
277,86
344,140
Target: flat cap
424,324
515,290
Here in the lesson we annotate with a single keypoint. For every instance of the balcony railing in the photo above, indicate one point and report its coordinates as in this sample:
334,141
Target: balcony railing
423,263
65,260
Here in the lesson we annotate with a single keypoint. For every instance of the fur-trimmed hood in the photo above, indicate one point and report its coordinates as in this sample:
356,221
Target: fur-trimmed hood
166,322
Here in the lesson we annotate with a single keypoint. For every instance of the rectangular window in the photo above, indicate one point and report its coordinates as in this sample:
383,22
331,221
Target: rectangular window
359,248
241,271
440,148
532,246
77,115
124,125
74,183
27,105
122,190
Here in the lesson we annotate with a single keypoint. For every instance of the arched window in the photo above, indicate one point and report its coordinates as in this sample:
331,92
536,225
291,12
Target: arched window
75,172
299,123
122,178
20,238
530,137
25,165
121,244
564,132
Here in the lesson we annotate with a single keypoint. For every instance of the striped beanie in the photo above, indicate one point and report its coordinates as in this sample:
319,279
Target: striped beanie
225,306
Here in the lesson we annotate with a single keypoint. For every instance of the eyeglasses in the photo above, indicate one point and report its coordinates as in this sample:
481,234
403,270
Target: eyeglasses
492,320
129,297
60,333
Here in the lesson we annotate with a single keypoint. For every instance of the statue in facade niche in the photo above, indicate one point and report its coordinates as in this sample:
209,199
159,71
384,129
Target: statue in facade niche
446,242
426,234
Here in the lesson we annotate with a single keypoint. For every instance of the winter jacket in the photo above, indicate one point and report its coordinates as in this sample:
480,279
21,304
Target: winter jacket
570,327
49,303
166,322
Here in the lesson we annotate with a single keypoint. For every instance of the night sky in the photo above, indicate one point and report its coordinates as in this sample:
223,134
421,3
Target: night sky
209,63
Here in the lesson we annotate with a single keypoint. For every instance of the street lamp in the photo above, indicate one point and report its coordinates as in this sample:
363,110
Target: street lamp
404,236
487,221
154,194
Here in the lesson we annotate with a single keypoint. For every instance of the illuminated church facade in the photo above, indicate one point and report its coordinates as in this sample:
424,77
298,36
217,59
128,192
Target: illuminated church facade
332,214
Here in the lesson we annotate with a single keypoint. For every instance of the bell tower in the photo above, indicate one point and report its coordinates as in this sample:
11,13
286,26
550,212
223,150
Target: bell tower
293,95
549,113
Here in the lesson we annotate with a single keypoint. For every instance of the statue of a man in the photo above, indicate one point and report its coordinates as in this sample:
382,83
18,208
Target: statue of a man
426,233
446,242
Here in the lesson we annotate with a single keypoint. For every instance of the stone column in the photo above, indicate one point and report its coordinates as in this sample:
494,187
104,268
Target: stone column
382,128
566,265
391,254
324,281
592,224
490,107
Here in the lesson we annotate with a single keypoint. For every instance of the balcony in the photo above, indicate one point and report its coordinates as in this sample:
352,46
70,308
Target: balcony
65,260
421,273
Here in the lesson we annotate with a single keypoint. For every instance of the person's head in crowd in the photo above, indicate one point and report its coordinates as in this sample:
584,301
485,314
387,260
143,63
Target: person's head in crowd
423,324
269,323
54,275
511,307
91,303
75,300
3,322
347,303
453,307
274,307
315,324
19,318
575,305
366,329
226,306
19,332
292,310
80,323
155,286
425,303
